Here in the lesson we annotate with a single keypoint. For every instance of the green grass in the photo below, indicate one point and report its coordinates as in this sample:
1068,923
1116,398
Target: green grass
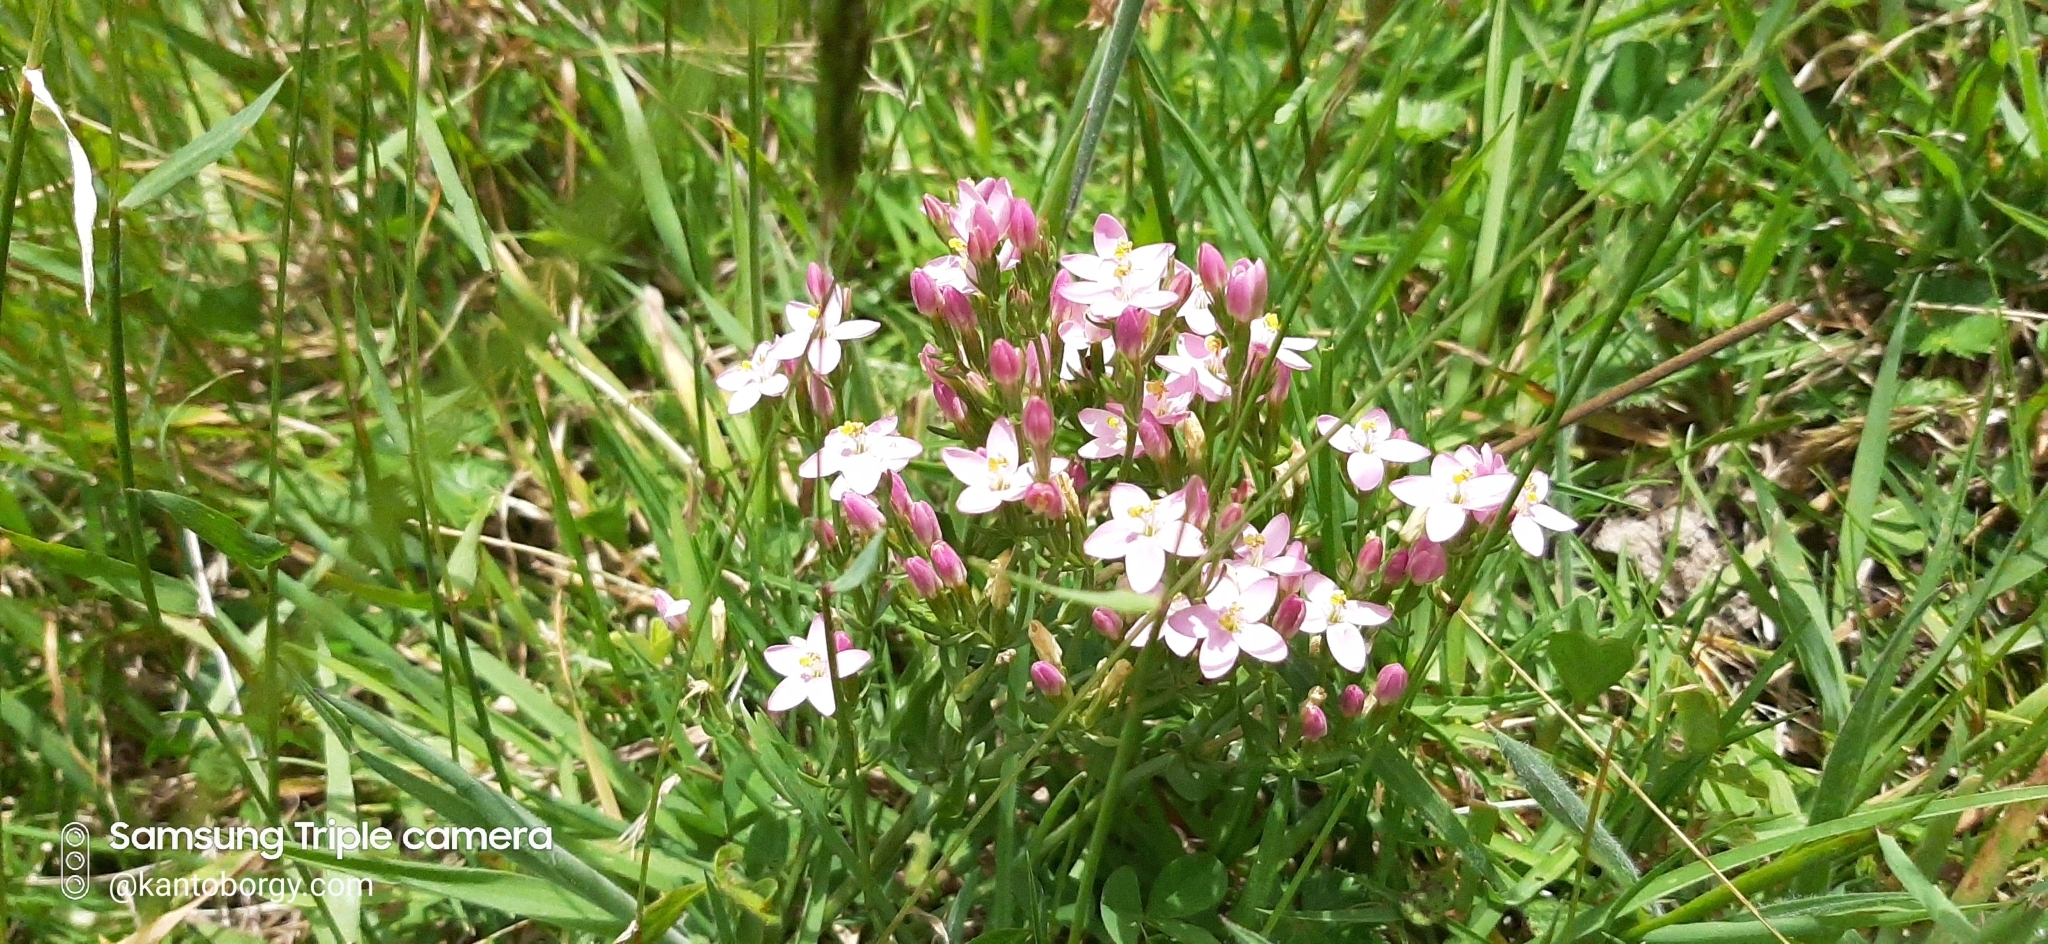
424,372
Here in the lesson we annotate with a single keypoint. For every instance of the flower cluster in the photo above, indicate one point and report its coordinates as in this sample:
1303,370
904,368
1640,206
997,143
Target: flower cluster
1092,398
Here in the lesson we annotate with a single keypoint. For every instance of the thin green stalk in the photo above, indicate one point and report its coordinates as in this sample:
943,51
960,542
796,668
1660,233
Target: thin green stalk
1126,747
17,144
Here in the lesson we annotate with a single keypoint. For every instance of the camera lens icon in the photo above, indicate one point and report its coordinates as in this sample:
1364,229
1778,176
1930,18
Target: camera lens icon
73,865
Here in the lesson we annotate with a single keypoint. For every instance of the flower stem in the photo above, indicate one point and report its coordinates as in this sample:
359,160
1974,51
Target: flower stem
1126,746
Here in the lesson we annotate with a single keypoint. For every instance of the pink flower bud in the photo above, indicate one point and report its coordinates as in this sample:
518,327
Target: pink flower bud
941,217
1048,678
899,494
1132,329
929,360
983,239
827,534
1371,555
1283,383
1287,620
1396,571
948,399
1023,225
1180,282
1245,296
1064,308
821,395
1005,364
1195,495
1034,372
1232,516
1210,266
1152,438
1044,499
1038,422
924,293
1314,724
818,282
1352,701
924,523
1107,622
1078,475
923,580
1391,685
841,640
862,515
947,564
1427,561
958,308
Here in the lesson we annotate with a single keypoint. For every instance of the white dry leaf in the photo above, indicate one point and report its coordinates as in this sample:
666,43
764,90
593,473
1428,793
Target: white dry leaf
85,202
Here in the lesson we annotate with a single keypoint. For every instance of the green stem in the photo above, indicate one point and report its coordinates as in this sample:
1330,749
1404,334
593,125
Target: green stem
17,143
1126,747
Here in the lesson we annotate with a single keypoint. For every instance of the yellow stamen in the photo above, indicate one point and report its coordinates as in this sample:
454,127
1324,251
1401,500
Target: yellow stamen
852,428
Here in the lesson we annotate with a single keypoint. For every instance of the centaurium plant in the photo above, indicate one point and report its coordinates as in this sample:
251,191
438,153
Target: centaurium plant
1078,403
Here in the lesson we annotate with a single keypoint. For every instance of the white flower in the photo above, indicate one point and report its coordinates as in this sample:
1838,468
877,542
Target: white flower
804,666
1230,621
1266,331
1372,442
1111,433
1198,368
994,474
1118,275
753,378
1267,551
815,334
1142,530
1531,516
860,454
670,610
1452,491
1341,620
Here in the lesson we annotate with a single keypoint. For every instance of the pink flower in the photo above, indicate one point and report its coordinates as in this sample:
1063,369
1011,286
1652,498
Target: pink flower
1048,678
815,333
1340,620
1111,433
1118,275
1229,622
1530,516
1266,334
859,454
1267,550
671,610
948,272
804,666
1199,368
753,378
1141,531
993,474
1372,442
1451,492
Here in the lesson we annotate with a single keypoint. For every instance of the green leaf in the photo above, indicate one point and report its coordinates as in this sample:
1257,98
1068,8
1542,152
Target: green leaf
1184,932
1946,915
1127,602
200,152
1122,908
1189,885
243,546
462,562
462,213
173,595
515,894
663,914
1589,666
1558,799
863,567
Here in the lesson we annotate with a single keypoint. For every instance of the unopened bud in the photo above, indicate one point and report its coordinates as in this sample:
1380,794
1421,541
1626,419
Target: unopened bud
1396,571
948,399
936,211
1195,496
1371,555
1351,701
958,308
1210,266
924,293
1314,724
1245,296
947,564
821,395
1048,678
1232,516
862,515
827,534
1287,619
899,494
1042,643
922,578
818,282
1180,282
841,640
1023,225
1107,622
1043,498
1152,438
924,523
1427,561
1132,327
1005,364
1034,367
1283,383
1391,685
1038,422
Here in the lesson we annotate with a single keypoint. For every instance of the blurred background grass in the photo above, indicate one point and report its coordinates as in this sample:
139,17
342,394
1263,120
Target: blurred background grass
452,340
